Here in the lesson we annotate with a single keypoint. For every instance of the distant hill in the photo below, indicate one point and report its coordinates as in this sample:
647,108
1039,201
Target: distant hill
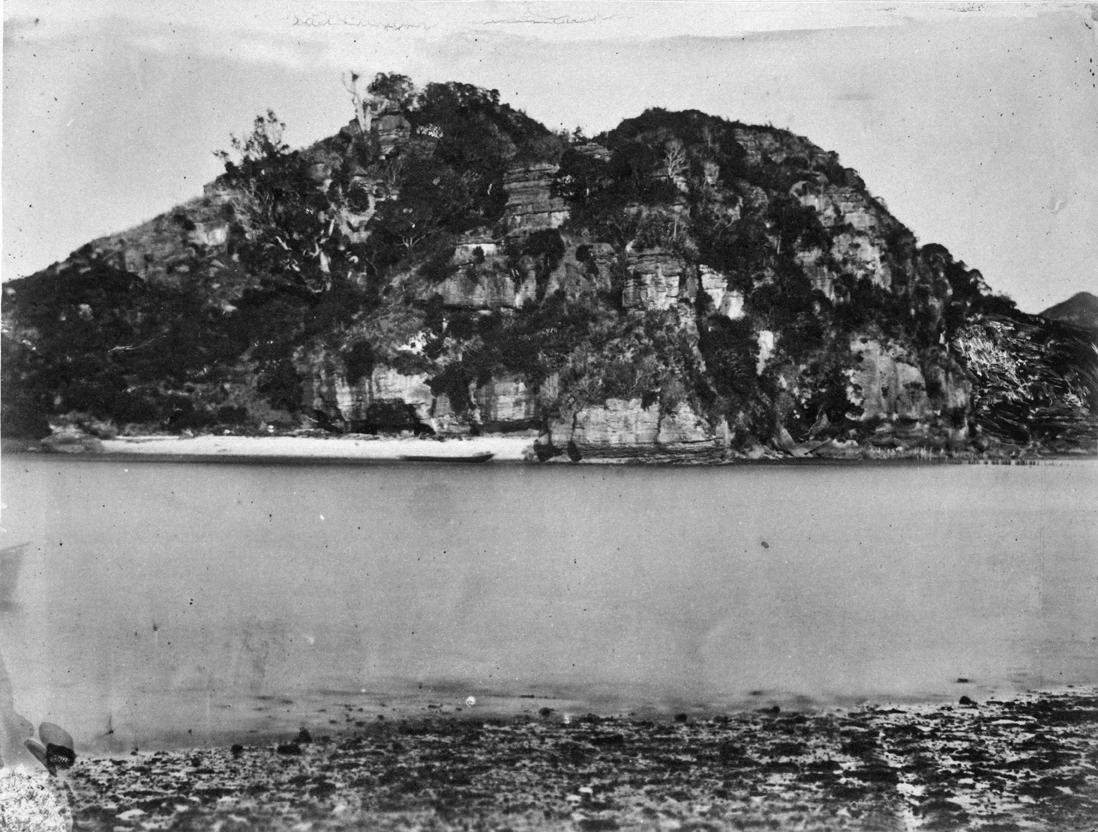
1080,309
682,284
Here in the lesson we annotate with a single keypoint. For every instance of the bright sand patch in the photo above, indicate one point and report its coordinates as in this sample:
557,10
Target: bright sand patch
504,448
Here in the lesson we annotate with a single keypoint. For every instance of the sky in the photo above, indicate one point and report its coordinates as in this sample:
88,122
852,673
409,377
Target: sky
977,124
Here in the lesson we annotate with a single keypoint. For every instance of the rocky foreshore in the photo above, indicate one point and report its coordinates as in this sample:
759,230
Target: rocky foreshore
1022,763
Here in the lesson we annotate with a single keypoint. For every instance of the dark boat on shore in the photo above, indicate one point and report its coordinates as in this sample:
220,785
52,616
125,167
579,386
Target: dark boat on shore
481,457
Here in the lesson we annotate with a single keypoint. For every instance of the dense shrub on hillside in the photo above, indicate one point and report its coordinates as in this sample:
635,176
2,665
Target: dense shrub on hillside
544,249
731,352
97,340
534,344
287,229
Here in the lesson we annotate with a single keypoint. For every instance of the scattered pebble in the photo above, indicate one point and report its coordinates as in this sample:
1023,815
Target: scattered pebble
1024,763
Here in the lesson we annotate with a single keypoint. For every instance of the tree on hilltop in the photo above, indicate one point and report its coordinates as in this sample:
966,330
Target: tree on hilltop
395,87
288,223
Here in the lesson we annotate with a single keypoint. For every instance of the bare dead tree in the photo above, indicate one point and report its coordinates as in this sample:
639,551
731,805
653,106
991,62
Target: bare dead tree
674,159
363,114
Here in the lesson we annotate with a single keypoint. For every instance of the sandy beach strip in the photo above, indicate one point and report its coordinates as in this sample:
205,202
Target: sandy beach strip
348,447
1020,763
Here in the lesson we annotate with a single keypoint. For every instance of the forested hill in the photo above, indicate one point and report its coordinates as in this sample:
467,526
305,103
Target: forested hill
1080,310
446,264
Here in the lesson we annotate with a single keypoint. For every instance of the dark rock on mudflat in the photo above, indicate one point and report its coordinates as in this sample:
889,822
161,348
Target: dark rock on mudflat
860,746
876,774
730,752
613,739
597,824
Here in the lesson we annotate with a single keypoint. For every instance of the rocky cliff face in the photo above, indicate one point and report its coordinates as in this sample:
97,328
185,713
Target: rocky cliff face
506,404
531,205
678,285
727,302
487,291
887,385
621,429
658,279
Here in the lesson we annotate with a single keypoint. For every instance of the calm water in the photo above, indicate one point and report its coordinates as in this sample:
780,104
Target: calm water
157,599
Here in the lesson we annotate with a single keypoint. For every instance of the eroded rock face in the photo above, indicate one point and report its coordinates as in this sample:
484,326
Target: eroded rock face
386,384
816,268
888,385
505,403
727,302
766,341
368,196
577,280
862,255
948,388
657,279
763,143
388,399
476,245
388,390
758,143
858,224
326,390
531,205
682,426
210,234
392,128
838,205
619,423
487,290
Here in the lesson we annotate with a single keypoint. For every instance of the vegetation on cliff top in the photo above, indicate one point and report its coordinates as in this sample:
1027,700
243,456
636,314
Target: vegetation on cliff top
680,259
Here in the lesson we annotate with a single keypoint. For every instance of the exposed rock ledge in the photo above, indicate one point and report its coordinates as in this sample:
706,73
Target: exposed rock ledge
623,429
